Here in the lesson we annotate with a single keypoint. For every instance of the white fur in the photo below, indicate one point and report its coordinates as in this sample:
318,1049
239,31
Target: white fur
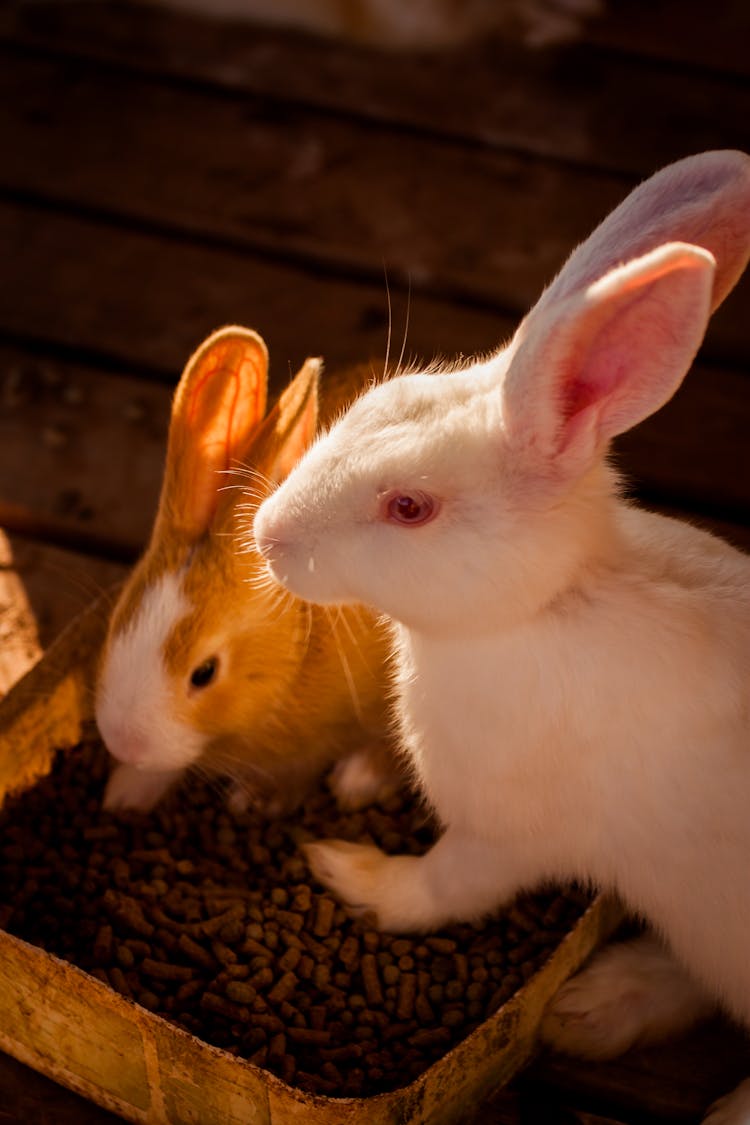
572,674
135,708
131,787
633,992
360,778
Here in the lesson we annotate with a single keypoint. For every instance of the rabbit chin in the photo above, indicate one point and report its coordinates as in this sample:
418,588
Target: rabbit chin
305,581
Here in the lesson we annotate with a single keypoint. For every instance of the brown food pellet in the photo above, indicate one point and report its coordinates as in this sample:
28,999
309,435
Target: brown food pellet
213,925
103,945
440,944
139,949
128,911
290,920
283,988
212,922
262,978
223,953
319,1037
423,1009
119,981
196,953
188,990
162,970
324,912
220,1006
349,953
239,992
252,945
305,968
289,961
371,980
407,991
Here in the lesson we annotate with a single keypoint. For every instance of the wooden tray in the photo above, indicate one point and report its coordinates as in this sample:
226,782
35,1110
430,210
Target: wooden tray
71,1027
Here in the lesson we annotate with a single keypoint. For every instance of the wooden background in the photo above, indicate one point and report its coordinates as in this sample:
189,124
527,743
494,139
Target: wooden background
161,176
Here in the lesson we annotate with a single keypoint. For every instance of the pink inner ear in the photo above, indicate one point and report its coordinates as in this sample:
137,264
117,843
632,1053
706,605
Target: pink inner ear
626,351
218,407
236,414
598,372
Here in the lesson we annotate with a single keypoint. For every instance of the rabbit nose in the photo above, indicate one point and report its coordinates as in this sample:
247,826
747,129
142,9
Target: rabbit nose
265,534
127,746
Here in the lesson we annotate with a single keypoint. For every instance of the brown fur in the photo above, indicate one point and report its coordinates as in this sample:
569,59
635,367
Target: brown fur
298,686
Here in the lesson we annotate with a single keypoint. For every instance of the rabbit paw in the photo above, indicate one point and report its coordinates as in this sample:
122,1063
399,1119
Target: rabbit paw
381,888
239,799
131,788
732,1109
632,992
349,870
361,779
593,1018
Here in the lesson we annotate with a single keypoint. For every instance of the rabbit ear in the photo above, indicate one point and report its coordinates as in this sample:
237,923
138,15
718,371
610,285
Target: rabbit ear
596,364
219,403
290,426
703,200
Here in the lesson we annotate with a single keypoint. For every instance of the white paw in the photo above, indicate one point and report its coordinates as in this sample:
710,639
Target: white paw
590,1021
732,1109
362,778
130,788
633,992
370,883
349,870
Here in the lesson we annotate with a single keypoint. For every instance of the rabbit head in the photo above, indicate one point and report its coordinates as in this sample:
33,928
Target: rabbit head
468,497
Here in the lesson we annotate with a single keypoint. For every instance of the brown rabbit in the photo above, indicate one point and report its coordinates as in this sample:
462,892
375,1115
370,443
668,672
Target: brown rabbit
207,662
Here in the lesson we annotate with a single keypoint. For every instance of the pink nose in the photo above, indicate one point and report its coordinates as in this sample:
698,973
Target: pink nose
265,534
127,746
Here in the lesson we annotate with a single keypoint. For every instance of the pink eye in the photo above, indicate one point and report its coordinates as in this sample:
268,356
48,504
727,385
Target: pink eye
409,508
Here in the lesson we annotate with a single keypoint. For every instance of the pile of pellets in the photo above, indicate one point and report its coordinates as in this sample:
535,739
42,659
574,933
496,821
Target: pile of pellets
211,920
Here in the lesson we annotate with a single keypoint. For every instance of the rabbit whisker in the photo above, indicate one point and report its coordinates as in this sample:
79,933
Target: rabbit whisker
345,667
406,331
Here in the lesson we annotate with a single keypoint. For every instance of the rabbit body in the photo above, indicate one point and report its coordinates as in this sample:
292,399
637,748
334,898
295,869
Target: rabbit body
572,672
206,664
607,738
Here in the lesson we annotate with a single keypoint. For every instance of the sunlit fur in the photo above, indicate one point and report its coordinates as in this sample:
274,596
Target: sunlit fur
435,434
136,711
574,673
296,686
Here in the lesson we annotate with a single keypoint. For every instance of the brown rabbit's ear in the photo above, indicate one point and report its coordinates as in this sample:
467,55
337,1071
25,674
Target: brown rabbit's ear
291,425
218,406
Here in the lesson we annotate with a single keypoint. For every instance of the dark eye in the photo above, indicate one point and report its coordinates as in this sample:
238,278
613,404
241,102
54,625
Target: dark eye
202,676
410,508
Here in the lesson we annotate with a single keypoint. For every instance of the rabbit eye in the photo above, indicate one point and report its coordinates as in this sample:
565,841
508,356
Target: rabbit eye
202,676
410,508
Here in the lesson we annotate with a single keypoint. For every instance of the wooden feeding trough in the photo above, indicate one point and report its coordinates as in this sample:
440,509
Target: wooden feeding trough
75,1029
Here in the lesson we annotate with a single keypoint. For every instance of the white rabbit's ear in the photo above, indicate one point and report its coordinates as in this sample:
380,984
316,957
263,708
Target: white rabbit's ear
594,365
703,200
218,406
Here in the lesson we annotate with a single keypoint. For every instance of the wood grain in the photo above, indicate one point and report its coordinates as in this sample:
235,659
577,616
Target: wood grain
275,181
595,106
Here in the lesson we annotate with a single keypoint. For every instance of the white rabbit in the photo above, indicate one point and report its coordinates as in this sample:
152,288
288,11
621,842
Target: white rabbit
572,672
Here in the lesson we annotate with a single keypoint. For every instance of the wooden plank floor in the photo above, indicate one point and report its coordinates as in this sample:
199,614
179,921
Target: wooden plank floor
162,175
